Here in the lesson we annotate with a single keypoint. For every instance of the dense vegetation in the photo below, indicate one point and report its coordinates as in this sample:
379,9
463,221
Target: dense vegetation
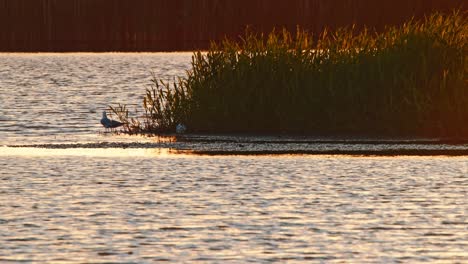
409,80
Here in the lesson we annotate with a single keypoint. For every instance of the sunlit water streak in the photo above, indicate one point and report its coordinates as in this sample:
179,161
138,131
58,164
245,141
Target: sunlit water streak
135,199
85,152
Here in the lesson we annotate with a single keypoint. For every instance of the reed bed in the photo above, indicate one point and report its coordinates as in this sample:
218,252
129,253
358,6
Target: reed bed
409,80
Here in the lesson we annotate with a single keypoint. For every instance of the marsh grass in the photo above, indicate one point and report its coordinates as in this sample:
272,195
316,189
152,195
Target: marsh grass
409,80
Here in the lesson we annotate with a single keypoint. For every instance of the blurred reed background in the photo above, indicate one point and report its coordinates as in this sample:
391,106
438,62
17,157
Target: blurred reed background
176,25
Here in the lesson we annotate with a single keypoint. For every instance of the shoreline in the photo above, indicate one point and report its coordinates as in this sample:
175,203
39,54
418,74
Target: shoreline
278,145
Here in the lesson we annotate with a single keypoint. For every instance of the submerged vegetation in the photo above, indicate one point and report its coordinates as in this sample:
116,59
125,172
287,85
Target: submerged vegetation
409,80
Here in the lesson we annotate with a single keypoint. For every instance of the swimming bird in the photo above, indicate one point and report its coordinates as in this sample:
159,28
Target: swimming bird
181,128
109,123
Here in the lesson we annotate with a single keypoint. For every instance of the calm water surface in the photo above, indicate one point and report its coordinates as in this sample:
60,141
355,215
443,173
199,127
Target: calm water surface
52,98
144,205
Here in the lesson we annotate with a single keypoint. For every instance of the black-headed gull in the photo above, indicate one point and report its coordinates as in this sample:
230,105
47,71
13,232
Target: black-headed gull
109,123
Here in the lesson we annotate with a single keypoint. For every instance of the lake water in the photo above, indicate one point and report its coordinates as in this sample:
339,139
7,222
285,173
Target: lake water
70,193
52,98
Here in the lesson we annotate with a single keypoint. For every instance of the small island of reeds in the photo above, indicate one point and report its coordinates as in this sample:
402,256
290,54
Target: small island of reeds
408,80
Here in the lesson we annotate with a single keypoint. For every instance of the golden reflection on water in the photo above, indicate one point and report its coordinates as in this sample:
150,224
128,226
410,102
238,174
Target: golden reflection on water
266,208
87,152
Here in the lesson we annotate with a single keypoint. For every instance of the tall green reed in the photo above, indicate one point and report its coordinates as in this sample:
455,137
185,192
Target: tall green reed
407,80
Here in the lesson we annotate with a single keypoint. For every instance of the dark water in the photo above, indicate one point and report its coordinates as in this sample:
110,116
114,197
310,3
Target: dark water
73,194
